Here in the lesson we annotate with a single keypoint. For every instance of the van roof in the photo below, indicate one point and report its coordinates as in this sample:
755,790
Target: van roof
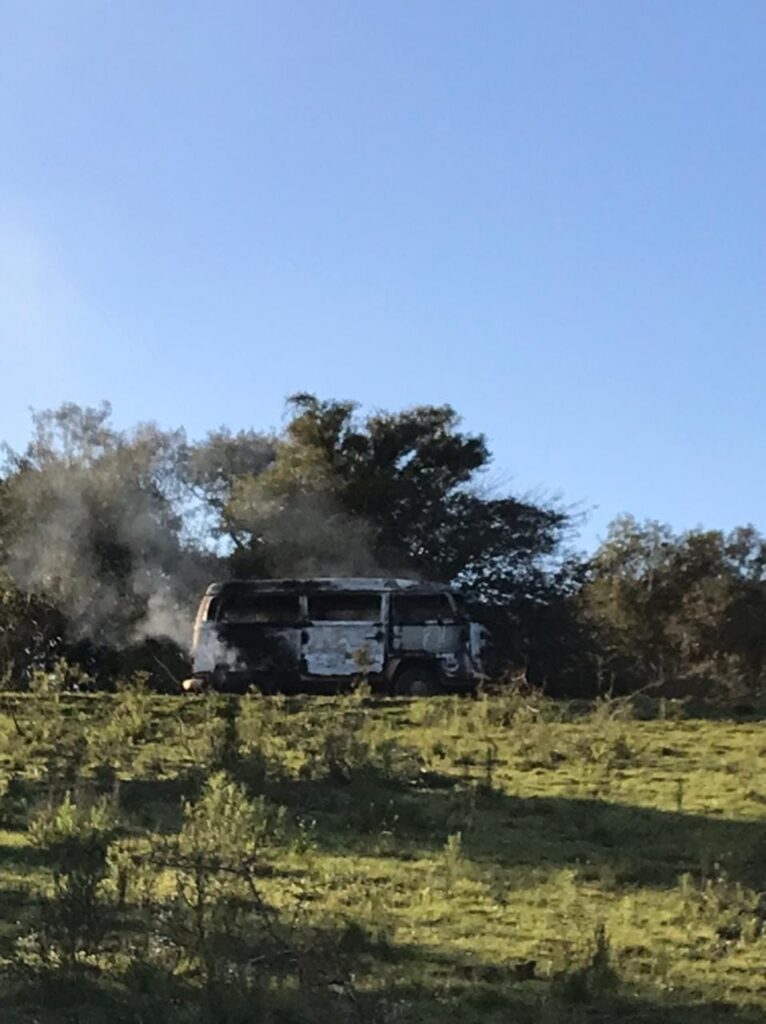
361,583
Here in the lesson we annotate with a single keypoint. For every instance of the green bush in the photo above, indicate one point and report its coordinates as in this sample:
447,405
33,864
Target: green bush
76,839
114,744
595,980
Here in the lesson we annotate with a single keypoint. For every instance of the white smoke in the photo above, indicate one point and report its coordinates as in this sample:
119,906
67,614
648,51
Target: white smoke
100,540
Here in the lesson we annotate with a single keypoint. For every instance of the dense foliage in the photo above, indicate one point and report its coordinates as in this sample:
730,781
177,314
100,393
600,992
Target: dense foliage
108,536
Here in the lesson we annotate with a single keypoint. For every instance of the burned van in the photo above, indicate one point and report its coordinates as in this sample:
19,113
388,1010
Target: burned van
403,636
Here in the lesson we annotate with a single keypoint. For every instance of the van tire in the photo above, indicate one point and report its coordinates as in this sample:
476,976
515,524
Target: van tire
416,682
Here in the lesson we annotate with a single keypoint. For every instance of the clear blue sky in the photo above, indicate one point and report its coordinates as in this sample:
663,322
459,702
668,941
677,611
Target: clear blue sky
550,214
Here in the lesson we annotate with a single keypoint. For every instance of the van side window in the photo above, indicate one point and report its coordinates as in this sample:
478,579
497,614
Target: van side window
415,609
348,607
274,609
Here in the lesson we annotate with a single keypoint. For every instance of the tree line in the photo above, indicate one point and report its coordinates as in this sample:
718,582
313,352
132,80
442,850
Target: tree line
108,536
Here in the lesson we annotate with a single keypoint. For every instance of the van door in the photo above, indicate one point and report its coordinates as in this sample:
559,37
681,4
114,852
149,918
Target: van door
344,635
425,624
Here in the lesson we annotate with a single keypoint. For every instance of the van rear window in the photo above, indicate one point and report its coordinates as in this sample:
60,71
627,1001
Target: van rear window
275,609
344,607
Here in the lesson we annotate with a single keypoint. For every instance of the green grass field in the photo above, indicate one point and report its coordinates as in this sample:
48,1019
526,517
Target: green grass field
503,860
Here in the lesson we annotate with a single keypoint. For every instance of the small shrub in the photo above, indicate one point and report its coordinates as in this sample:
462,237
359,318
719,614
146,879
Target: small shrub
346,748
225,753
132,877
49,745
113,745
594,980
15,801
537,744
225,827
453,863
62,677
76,838
514,703
461,807
729,909
490,760
343,749
212,742
215,860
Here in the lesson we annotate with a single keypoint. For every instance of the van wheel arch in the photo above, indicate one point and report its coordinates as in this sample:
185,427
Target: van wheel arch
416,679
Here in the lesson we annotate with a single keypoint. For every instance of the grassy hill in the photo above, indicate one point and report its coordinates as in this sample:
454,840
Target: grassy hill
300,860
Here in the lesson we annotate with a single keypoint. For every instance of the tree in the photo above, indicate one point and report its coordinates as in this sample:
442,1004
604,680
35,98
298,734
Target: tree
212,468
399,493
669,608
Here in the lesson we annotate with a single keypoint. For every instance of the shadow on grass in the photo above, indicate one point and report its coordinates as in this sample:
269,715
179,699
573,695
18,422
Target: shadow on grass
642,845
428,988
498,1008
157,804
148,803
432,986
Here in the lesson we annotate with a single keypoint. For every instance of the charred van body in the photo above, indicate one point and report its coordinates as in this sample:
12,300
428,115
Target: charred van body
403,636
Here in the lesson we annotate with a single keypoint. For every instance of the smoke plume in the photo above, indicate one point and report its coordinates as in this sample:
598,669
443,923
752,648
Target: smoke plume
101,541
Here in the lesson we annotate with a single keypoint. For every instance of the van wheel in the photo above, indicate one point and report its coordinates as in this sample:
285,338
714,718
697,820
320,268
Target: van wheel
416,682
